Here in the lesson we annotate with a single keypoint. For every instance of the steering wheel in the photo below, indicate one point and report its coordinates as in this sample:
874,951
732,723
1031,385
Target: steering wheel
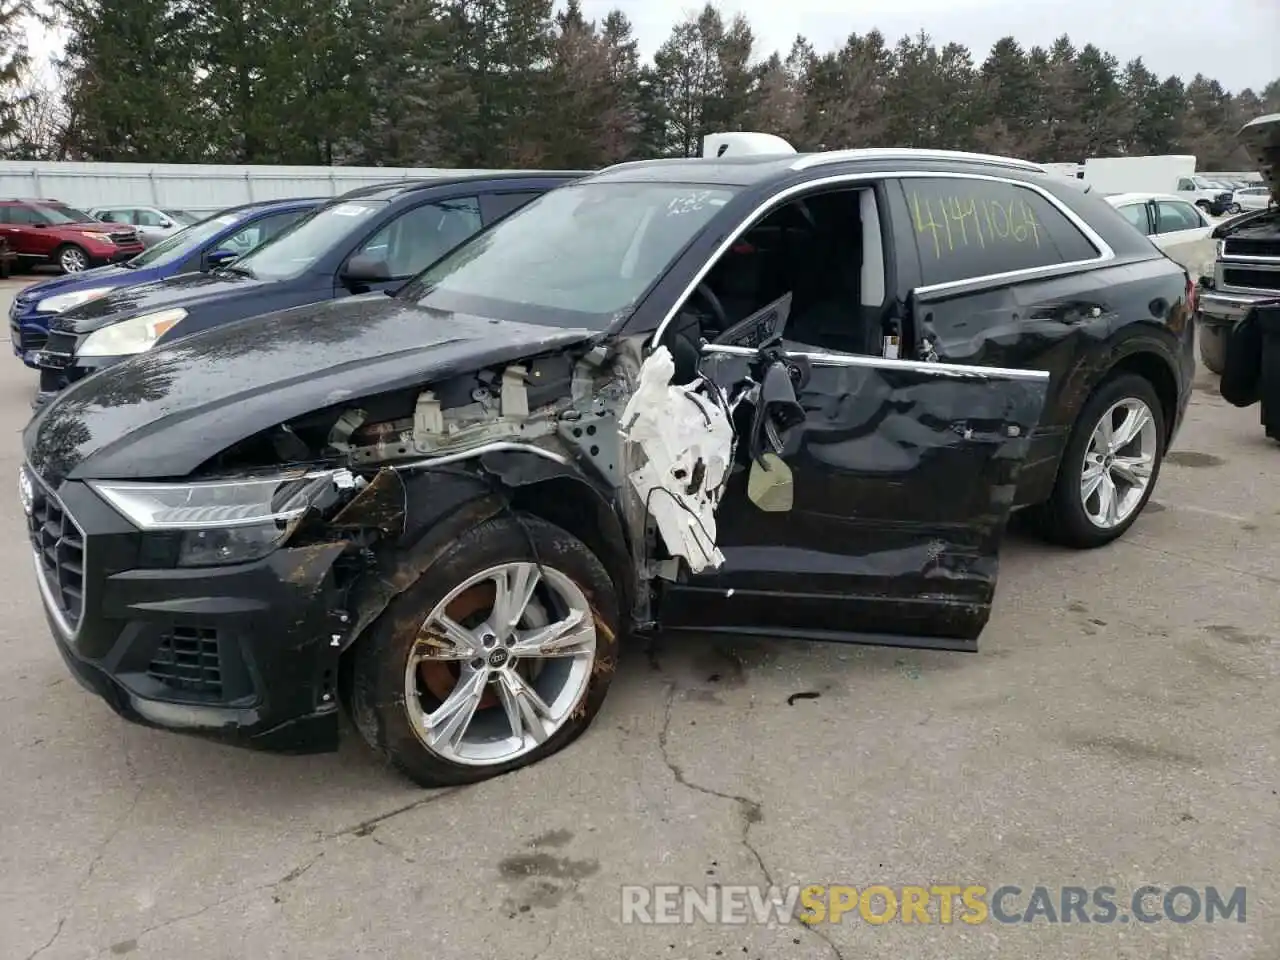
713,303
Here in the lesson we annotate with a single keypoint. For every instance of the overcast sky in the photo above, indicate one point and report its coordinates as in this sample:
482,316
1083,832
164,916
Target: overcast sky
1237,42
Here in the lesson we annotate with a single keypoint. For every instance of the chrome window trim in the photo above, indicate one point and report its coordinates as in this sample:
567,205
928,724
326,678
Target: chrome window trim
821,359
777,199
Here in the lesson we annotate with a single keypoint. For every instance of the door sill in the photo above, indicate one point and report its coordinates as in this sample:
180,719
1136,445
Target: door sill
950,644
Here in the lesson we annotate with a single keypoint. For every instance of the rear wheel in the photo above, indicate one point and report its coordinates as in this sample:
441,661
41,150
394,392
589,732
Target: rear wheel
1109,467
72,259
499,655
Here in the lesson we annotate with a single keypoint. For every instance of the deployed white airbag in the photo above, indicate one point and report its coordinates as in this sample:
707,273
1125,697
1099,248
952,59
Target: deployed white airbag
687,440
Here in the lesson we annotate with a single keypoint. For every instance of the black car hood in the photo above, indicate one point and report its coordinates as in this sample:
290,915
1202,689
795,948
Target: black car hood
164,413
179,291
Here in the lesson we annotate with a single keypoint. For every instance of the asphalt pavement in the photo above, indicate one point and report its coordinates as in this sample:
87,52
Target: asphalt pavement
1120,727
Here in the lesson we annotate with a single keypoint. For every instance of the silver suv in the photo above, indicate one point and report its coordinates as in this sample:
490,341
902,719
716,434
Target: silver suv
1246,269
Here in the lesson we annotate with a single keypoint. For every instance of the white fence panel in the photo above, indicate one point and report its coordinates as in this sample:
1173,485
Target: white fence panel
196,187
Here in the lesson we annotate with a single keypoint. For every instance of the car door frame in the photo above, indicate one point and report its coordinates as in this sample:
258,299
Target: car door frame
709,602
454,192
919,578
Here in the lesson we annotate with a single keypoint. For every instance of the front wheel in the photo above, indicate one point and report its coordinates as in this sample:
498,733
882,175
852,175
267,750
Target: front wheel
1109,467
72,259
1234,208
499,655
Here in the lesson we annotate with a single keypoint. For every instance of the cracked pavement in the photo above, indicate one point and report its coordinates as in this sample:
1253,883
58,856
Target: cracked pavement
1120,726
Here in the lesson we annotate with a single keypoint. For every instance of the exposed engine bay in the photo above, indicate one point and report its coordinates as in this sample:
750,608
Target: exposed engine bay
658,453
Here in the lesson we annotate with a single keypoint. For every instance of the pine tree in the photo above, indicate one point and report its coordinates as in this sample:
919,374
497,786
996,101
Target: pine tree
14,60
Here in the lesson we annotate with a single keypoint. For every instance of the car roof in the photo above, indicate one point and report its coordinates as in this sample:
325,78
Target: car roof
391,191
1121,199
749,169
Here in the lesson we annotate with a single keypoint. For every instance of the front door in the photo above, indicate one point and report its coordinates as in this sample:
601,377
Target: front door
903,478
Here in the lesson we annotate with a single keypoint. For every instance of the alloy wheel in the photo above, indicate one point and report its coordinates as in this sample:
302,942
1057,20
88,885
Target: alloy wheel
73,260
500,664
1118,463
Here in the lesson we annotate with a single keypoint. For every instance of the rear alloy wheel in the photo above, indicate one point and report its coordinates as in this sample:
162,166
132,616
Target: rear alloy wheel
71,259
498,656
1109,467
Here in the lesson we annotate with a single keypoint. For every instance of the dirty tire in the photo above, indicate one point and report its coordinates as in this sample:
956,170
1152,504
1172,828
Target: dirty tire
376,693
1213,346
71,259
1061,519
1205,205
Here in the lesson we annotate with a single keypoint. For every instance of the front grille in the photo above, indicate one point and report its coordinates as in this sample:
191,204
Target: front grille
188,660
59,545
1253,279
123,238
1238,247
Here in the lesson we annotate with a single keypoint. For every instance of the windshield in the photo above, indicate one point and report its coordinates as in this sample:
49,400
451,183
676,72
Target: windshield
58,213
290,253
581,255
181,216
176,246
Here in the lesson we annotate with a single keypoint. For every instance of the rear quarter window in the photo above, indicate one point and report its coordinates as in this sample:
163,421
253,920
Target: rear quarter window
966,229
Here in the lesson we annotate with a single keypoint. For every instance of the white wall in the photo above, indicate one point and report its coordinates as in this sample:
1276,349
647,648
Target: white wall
198,187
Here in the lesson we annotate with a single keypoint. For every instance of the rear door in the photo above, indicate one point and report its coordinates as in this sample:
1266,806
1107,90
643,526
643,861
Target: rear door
1182,232
903,477
26,238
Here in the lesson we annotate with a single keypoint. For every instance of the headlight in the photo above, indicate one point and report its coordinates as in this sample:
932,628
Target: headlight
135,335
223,521
94,236
65,301
1217,249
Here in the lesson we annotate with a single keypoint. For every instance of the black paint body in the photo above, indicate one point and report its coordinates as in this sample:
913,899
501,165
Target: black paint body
905,473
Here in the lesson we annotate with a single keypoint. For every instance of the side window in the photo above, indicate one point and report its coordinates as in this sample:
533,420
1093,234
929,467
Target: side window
257,233
1137,214
4,213
495,206
419,237
1172,215
25,215
965,229
146,218
1185,184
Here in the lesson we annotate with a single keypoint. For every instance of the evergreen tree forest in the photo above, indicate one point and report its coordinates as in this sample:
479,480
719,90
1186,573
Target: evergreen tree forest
533,83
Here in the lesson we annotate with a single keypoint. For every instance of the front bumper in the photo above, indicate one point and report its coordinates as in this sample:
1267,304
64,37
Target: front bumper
28,331
1218,309
114,254
246,653
58,371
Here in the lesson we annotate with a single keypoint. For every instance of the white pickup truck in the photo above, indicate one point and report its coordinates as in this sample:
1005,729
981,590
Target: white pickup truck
1246,269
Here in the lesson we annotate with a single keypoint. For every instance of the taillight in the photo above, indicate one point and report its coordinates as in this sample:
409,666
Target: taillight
1193,295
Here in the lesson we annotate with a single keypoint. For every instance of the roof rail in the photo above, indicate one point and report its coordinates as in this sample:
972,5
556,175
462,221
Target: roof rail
912,153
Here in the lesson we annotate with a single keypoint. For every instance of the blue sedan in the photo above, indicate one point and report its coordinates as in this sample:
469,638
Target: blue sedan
200,247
